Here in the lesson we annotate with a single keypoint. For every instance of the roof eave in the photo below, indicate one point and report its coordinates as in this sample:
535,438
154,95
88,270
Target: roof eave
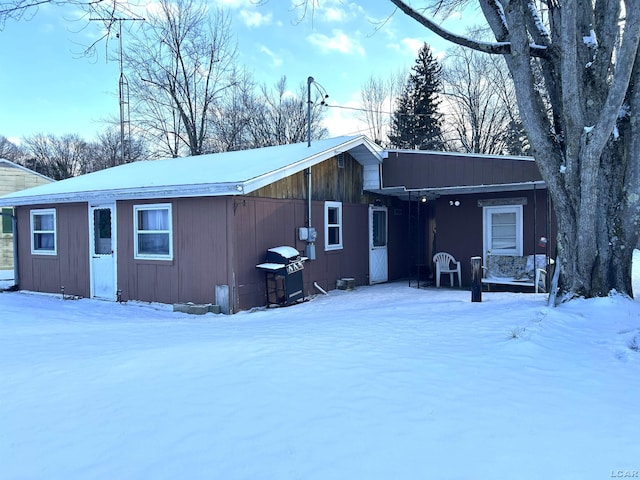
207,190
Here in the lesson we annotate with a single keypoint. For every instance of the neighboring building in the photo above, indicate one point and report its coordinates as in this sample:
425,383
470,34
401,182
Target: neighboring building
193,229
13,178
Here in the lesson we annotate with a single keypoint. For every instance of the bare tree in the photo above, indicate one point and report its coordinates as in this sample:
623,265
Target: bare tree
378,97
232,116
479,103
9,150
180,65
280,116
106,151
56,157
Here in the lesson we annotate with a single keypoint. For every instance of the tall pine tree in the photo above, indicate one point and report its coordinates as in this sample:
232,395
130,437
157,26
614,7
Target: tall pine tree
416,122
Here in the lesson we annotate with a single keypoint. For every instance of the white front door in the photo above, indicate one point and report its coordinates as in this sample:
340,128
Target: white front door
102,235
378,257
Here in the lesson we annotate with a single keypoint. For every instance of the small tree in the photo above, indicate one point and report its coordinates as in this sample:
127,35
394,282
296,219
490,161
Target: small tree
416,122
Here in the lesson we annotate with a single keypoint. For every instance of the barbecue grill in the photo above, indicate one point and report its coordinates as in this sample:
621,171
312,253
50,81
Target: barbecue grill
283,275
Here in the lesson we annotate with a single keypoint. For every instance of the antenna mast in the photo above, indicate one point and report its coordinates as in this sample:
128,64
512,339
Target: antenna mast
123,93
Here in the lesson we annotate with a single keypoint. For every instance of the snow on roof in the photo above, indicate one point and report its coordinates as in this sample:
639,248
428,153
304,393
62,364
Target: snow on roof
228,173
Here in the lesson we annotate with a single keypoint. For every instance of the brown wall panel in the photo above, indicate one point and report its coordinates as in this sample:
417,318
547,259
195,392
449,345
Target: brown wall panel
434,170
200,254
460,229
263,223
70,266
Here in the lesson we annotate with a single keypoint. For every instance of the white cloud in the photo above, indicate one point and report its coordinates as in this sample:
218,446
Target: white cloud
412,45
251,18
339,42
275,59
343,122
334,15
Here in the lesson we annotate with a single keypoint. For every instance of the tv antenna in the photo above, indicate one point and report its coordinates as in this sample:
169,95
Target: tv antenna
123,91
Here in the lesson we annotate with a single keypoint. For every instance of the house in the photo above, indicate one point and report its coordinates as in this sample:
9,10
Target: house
193,229
13,177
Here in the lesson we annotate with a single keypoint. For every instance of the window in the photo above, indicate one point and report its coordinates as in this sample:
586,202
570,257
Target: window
43,232
153,232
379,228
503,230
333,225
7,222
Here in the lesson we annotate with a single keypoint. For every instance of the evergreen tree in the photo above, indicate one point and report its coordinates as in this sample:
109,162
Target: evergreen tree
416,122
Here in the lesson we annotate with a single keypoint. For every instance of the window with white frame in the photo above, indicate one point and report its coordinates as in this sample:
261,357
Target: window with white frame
43,232
333,225
503,230
153,232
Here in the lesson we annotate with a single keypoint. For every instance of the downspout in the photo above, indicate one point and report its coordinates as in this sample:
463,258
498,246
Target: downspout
311,247
309,82
16,274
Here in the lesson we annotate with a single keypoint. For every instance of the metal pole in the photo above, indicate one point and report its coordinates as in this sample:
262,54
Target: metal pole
309,82
121,94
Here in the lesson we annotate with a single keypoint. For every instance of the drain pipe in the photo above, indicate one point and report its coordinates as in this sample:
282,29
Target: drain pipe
311,246
315,284
16,275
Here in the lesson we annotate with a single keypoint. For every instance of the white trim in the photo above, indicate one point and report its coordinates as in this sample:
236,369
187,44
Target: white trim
152,206
33,231
339,225
486,215
114,245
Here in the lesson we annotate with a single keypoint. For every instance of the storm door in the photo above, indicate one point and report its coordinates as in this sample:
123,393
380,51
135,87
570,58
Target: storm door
102,251
378,256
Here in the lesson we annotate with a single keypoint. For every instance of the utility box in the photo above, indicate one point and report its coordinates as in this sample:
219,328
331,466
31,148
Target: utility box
307,234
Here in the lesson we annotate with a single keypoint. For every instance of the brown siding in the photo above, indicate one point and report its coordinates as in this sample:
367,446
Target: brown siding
435,170
459,229
263,223
328,182
200,254
70,267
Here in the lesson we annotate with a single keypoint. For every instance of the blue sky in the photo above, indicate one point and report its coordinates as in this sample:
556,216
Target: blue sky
47,86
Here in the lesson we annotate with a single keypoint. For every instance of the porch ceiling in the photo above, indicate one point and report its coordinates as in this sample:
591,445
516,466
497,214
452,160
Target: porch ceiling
406,194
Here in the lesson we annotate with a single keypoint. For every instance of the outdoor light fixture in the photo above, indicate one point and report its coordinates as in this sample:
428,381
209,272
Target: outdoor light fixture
454,203
423,199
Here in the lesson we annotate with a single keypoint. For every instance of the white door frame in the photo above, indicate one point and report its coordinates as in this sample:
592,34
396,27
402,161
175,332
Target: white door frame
488,211
378,254
108,261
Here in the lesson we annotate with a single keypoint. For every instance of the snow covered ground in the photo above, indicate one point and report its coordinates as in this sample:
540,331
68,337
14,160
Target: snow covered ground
385,382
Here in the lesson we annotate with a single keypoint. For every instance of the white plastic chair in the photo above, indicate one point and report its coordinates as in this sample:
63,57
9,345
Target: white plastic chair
446,263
